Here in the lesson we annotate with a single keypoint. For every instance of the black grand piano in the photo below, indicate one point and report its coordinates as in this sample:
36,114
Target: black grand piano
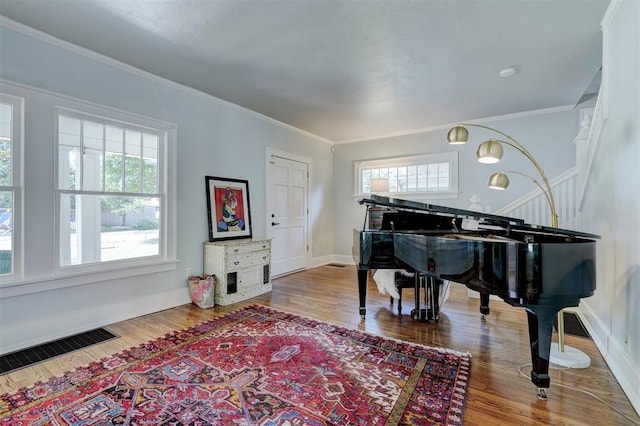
540,268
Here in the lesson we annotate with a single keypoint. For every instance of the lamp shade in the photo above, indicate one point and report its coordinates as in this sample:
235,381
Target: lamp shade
499,181
458,135
489,152
379,185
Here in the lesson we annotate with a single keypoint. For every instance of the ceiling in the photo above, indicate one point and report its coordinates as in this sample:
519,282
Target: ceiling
343,69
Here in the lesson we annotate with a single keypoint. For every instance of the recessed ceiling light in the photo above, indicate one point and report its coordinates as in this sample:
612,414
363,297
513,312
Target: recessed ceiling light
507,72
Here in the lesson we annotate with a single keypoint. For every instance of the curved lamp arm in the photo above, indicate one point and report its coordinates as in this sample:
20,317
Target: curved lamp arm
548,195
515,144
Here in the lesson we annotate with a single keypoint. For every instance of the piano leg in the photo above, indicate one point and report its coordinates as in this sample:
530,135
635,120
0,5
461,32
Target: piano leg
362,291
484,306
432,298
540,330
415,313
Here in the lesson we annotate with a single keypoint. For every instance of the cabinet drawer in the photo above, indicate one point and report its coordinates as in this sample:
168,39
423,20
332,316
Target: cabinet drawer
247,248
246,260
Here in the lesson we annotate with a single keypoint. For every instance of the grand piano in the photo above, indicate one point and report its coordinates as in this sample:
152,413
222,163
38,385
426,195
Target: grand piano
539,268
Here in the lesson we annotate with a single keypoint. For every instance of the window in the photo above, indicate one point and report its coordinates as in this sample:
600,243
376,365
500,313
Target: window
421,176
110,189
10,185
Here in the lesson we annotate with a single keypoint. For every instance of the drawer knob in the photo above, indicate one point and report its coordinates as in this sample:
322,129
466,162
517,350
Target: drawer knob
236,262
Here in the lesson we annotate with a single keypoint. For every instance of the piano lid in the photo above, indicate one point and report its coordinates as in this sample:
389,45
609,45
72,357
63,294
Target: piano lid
486,220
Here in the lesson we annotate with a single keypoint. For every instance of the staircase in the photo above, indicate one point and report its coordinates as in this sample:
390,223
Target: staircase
568,188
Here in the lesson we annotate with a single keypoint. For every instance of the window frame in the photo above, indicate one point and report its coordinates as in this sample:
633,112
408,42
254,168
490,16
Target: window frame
418,159
166,187
17,187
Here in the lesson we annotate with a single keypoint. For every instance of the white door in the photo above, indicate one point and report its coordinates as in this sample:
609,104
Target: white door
287,213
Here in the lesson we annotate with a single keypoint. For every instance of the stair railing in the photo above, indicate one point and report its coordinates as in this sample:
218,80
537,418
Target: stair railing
534,208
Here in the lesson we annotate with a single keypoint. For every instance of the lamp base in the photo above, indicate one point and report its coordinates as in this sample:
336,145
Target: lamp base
570,358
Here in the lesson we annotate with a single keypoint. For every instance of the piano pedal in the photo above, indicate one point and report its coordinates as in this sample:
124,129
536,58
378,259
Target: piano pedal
542,394
424,315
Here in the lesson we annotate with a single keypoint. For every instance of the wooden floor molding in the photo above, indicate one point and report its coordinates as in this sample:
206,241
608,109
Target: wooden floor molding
497,392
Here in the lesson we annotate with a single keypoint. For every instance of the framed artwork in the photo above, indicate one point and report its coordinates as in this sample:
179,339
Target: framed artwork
228,209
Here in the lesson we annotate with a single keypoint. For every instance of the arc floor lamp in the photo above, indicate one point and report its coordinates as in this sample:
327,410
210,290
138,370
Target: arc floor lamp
490,152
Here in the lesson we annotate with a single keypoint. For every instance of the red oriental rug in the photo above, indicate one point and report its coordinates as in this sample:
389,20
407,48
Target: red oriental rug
255,366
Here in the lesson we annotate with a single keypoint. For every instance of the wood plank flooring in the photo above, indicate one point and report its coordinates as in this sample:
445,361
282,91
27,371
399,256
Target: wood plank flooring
497,392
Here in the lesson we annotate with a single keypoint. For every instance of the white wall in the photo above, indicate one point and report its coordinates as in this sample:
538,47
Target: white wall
611,205
213,138
548,135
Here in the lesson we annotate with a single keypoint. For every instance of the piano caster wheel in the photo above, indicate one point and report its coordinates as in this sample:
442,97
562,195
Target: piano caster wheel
542,394
483,318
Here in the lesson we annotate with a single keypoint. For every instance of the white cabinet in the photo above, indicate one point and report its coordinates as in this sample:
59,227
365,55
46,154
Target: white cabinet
242,268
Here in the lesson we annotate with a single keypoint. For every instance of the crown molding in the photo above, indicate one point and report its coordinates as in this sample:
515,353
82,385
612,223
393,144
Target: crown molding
610,13
449,125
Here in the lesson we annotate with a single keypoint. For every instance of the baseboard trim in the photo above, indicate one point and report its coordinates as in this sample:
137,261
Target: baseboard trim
614,354
21,336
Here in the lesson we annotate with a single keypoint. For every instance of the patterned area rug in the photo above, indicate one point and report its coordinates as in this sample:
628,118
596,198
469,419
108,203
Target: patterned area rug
255,366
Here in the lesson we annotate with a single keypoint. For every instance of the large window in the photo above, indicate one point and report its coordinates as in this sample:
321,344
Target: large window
10,184
421,176
110,189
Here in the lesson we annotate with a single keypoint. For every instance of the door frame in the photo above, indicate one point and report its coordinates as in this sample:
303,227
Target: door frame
269,196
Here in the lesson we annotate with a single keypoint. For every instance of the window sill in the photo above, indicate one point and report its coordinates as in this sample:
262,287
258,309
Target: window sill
64,280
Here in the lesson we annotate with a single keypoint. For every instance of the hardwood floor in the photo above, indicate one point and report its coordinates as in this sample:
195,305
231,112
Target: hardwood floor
497,392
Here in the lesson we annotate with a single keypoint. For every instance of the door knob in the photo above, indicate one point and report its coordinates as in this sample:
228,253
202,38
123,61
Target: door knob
275,223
